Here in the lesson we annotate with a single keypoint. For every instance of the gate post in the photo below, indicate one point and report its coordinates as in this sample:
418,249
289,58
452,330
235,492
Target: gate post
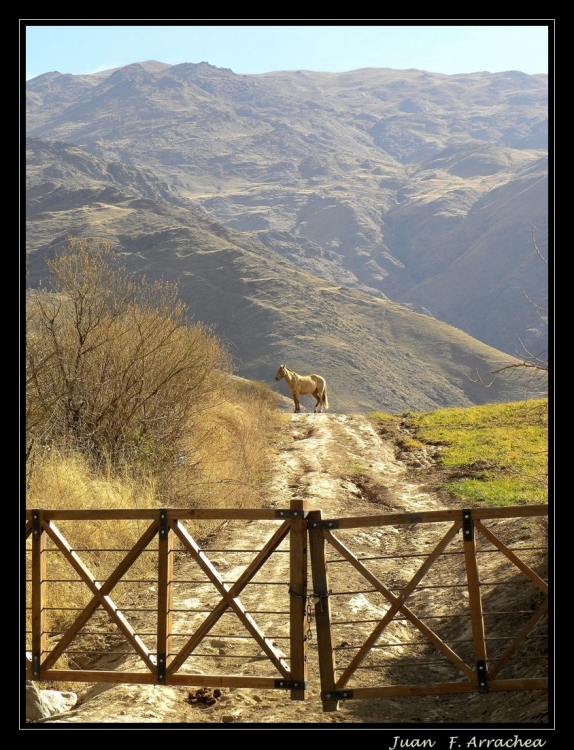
39,638
298,601
475,601
164,595
322,611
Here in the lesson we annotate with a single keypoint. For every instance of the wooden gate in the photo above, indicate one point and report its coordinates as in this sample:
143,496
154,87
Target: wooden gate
188,609
377,631
446,626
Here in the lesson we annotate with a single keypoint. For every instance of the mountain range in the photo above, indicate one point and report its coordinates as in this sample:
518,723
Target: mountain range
380,227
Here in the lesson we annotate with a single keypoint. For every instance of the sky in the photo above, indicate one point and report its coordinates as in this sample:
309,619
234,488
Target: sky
324,45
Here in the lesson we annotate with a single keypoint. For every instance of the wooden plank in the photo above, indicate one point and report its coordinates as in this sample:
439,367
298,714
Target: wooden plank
534,577
101,596
521,511
298,601
239,681
86,675
522,634
434,516
323,620
148,678
475,603
96,514
394,519
443,688
230,598
396,604
149,514
513,511
164,594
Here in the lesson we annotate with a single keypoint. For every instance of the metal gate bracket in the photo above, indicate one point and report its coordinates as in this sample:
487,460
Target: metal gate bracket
336,695
36,526
163,528
36,664
482,676
291,513
467,525
161,668
291,684
323,524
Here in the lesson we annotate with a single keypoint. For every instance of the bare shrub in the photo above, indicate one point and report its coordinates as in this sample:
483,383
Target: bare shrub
113,367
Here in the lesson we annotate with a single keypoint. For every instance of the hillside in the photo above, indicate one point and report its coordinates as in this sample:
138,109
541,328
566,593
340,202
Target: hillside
417,187
374,353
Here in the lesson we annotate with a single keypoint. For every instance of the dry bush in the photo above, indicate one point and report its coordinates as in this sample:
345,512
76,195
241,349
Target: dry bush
113,367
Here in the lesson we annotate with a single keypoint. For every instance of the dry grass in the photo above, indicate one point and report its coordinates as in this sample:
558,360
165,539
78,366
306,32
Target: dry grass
226,464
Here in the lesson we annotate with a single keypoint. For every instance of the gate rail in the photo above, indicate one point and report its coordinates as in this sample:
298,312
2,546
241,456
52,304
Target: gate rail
166,536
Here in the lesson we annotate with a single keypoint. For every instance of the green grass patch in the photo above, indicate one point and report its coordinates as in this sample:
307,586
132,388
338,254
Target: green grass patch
494,454
497,492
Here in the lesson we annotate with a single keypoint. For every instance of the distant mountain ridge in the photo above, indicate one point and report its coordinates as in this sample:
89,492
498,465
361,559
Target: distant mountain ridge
297,209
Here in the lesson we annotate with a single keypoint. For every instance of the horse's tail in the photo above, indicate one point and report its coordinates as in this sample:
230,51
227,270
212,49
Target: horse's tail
324,398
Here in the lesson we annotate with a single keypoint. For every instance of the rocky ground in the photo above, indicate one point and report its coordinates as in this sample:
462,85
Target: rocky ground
339,464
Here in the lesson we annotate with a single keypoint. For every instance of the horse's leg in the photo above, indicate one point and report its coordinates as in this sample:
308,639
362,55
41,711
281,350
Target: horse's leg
296,400
317,398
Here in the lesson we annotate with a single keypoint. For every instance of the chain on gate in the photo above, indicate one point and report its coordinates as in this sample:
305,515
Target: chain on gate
313,599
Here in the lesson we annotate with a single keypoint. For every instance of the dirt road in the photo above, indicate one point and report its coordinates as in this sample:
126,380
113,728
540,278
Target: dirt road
339,464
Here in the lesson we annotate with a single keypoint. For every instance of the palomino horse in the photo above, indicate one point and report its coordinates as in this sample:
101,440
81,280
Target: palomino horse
302,384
